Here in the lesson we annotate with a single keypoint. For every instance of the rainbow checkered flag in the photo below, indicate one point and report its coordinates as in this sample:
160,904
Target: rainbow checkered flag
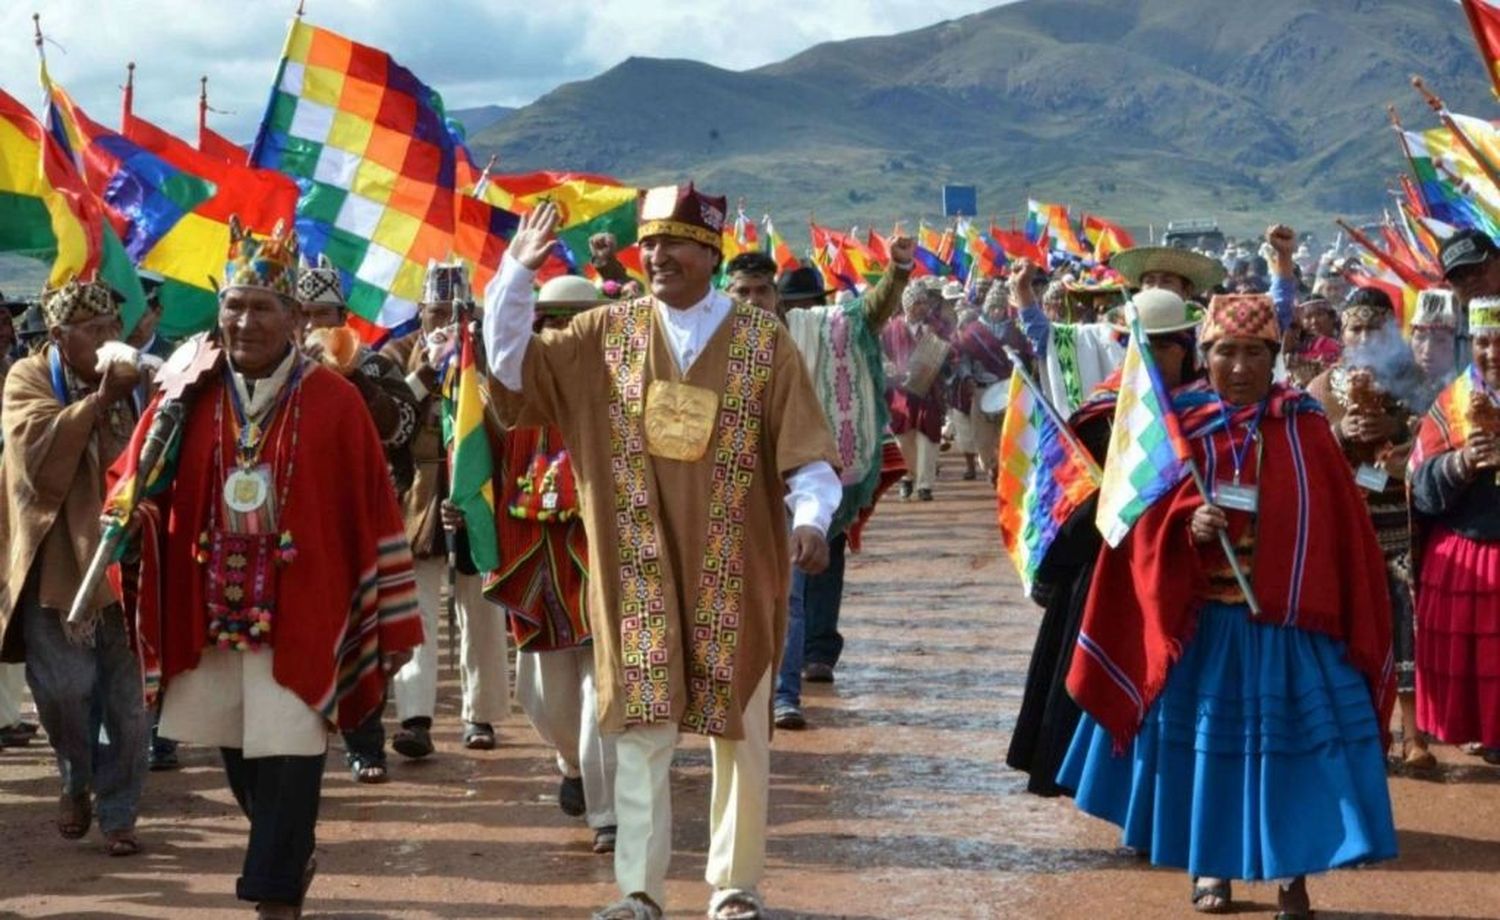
1148,456
1045,476
376,162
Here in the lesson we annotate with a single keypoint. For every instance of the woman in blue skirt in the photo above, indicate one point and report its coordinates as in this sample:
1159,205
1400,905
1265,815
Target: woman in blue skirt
1231,738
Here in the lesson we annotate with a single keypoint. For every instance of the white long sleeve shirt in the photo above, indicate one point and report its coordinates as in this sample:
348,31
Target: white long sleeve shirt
813,490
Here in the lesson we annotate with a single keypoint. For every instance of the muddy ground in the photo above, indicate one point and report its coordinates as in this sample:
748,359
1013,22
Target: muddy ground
895,803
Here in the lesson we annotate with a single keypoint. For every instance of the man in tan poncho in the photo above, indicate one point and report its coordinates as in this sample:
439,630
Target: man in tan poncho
64,422
693,426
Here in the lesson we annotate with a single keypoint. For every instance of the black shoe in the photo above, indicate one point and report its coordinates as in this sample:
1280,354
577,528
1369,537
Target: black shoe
816,672
924,495
570,796
162,759
479,736
906,490
604,839
790,717
414,740
16,735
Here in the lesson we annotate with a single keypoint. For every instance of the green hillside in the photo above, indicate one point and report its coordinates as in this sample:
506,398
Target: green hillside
1144,110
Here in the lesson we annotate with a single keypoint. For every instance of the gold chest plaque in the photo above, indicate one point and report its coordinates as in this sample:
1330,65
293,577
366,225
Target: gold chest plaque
679,420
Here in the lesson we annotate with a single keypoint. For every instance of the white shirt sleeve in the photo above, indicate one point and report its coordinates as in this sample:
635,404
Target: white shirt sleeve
508,318
813,495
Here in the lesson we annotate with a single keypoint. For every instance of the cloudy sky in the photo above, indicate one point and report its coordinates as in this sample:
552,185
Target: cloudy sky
474,52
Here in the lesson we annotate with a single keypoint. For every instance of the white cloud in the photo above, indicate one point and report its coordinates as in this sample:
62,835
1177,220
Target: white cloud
473,52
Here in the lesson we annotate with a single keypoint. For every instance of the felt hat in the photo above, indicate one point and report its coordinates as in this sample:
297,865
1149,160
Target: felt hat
320,284
681,211
77,302
1241,316
1160,311
447,282
801,283
268,263
1200,271
13,307
566,295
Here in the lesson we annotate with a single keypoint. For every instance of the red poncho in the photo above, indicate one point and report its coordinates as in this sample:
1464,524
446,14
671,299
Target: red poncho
1317,565
348,594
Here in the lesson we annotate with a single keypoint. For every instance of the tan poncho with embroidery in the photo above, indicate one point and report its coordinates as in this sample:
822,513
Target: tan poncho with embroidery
688,603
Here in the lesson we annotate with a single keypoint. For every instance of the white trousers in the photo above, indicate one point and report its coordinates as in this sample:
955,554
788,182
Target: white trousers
737,807
482,648
963,431
556,691
12,690
984,432
921,457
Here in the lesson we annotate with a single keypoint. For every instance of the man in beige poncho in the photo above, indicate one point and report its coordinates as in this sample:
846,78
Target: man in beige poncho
693,427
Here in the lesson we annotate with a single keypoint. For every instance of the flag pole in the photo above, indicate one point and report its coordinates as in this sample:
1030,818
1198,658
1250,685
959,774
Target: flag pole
127,100
1446,117
1224,544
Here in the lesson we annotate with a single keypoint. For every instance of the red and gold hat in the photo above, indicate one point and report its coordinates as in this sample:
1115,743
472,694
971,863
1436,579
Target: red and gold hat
1241,316
682,211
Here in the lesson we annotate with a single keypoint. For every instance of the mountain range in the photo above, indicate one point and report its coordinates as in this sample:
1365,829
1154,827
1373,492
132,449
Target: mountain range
1141,110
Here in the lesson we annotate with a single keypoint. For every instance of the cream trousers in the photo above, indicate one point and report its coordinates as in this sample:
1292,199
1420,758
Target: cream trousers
556,691
921,456
483,676
737,807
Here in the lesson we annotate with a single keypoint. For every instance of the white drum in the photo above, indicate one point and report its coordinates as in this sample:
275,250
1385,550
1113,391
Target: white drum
995,398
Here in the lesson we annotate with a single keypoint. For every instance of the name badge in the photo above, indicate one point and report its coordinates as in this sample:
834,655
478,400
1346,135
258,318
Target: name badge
1372,478
1235,497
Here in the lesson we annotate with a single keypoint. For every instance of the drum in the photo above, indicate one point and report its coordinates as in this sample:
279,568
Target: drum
925,364
994,398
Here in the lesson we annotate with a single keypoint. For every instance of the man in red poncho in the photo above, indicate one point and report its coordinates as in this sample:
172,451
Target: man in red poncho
280,481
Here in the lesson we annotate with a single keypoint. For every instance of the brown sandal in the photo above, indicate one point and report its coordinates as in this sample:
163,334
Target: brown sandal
74,816
122,843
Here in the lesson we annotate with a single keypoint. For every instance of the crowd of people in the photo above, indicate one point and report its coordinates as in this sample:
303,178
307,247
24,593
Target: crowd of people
676,476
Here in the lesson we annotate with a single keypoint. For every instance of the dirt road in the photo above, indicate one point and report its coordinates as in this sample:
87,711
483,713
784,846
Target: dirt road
894,804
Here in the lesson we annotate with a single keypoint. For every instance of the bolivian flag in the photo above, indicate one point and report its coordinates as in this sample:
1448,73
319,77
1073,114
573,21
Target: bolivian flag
48,213
472,465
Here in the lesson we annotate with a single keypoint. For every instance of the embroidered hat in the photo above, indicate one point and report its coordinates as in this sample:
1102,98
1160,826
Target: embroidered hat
77,302
566,295
917,290
268,263
1436,308
1367,307
447,282
1484,315
320,284
1241,316
681,211
1199,270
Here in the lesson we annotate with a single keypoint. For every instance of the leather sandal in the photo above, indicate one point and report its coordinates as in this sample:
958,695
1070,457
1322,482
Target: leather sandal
122,843
635,907
1213,897
74,816
735,904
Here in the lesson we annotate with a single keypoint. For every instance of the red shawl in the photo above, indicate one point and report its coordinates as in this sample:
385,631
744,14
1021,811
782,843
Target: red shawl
348,595
1317,565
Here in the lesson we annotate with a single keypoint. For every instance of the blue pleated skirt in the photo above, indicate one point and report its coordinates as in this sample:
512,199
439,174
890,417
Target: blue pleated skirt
1261,759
